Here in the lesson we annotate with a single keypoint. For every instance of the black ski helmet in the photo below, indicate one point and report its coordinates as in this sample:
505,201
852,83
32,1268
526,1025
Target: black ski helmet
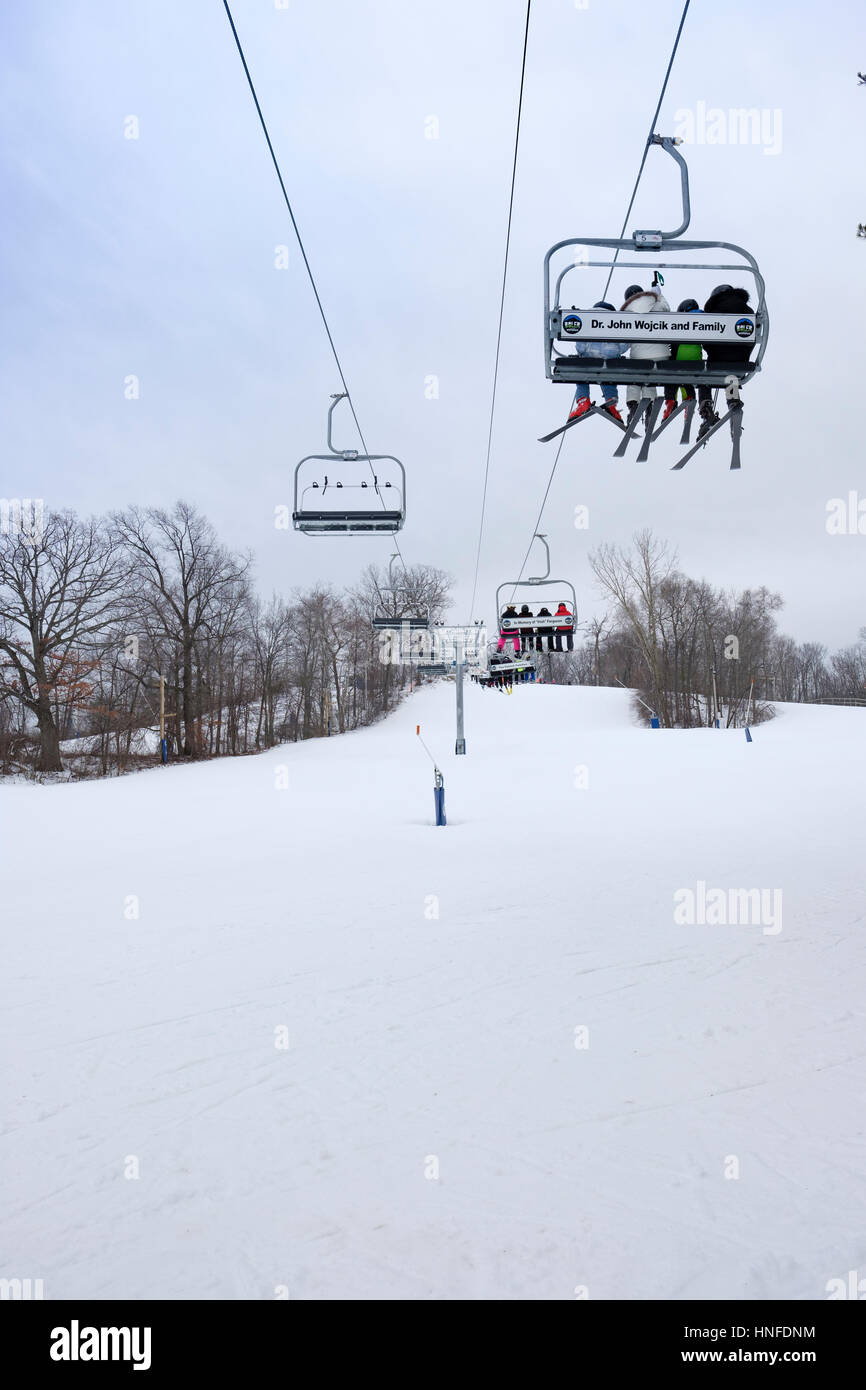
688,306
720,289
634,289
603,304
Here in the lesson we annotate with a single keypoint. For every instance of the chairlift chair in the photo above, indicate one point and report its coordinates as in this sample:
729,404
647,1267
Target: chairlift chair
507,670
382,622
535,624
397,622
379,502
564,325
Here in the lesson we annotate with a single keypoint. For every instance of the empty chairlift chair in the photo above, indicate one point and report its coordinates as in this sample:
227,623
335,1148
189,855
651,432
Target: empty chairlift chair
358,495
413,647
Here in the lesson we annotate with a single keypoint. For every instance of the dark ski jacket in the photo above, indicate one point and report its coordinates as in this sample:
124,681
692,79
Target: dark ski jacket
731,301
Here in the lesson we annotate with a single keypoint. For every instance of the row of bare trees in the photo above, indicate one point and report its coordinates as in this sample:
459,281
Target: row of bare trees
93,612
692,651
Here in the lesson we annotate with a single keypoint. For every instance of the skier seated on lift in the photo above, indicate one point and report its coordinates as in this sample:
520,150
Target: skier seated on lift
526,628
638,301
565,625
545,630
686,352
582,403
508,629
723,300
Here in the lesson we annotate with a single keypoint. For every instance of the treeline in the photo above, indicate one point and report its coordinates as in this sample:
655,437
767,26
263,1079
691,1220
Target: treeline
692,650
93,611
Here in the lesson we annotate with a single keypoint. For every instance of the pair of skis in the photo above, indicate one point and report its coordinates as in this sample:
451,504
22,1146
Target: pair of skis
734,416
648,410
594,410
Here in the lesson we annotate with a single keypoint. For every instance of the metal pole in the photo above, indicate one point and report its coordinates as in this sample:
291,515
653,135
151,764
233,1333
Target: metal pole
163,746
439,796
460,746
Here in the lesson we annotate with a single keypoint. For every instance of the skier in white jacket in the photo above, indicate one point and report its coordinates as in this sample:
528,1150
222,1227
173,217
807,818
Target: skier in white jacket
639,301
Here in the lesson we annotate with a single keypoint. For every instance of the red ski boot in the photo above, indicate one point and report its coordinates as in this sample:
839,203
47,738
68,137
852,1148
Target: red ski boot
583,405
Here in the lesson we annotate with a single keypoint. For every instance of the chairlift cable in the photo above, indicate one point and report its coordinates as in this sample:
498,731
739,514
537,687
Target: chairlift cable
649,138
671,59
300,241
501,309
540,514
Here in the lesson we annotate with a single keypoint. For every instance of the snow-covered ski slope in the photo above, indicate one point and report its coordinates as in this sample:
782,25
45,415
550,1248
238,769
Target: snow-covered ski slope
419,1044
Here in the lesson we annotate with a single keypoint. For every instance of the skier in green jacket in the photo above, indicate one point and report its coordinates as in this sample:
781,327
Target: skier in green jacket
686,352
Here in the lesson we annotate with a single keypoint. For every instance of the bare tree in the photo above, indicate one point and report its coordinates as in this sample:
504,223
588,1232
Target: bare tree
60,588
633,581
183,575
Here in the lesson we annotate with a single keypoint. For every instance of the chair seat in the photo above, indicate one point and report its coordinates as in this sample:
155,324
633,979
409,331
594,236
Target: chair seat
396,624
642,369
378,521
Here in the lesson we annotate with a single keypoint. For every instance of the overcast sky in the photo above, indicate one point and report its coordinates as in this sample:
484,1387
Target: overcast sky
155,257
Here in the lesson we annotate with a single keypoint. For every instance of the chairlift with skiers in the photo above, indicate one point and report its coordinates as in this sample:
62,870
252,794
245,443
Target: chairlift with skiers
505,671
556,620
735,337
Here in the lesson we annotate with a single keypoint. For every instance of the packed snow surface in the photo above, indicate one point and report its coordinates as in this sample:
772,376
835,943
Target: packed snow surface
268,1029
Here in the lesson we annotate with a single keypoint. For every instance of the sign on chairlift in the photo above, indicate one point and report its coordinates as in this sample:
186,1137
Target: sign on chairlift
593,325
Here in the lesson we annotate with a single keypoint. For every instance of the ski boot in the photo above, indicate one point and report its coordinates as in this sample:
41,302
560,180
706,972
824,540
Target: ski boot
708,419
582,406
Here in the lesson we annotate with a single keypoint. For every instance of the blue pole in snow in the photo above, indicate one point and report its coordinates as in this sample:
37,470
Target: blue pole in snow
439,798
438,782
163,748
749,710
